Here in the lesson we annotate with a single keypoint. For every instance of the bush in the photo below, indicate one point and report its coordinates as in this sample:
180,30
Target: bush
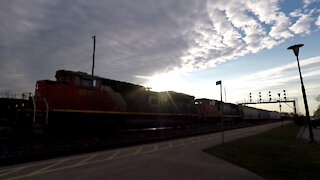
300,120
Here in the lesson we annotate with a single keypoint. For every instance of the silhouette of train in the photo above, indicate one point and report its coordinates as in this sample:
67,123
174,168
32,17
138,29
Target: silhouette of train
79,100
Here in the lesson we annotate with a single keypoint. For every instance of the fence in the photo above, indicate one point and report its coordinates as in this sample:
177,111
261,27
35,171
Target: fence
9,95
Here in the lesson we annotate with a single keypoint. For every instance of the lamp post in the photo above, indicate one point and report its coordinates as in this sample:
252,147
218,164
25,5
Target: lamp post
220,83
295,49
221,109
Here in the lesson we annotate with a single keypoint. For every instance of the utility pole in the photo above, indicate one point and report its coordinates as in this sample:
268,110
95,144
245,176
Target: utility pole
225,94
94,50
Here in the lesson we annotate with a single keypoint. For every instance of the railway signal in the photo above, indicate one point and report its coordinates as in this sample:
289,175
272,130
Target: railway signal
270,96
260,96
284,100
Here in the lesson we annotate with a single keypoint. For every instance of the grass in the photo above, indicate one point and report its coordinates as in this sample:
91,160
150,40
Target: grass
276,154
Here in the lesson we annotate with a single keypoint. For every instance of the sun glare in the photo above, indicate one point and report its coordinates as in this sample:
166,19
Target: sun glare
180,82
165,82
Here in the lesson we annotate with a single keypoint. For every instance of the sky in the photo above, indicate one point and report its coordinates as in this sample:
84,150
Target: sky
181,45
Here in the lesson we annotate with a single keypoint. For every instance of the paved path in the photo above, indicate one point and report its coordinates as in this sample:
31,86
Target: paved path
304,133
175,159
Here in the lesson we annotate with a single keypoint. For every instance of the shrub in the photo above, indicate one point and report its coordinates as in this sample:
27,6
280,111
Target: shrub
300,120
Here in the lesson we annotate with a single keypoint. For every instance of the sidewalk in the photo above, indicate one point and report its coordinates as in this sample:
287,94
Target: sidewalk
174,159
304,133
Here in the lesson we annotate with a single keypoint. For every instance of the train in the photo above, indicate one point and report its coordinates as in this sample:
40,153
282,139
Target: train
77,100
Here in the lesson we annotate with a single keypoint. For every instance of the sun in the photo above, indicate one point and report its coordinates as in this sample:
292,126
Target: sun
170,81
180,82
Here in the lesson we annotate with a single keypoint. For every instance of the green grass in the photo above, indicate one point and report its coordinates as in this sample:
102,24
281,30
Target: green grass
276,154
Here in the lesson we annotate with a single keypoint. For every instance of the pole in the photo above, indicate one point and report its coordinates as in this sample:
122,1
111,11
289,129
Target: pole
305,104
280,109
94,49
221,91
222,118
225,94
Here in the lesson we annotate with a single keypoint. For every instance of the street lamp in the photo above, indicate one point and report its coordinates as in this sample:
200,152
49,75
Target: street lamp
220,83
221,109
295,49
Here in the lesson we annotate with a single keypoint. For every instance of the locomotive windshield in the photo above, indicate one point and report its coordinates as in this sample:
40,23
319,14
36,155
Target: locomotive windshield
64,78
80,81
77,78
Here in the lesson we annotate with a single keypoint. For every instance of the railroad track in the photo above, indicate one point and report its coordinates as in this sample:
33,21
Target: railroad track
32,148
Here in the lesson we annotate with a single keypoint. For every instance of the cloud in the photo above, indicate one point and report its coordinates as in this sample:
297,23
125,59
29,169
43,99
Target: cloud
237,28
139,38
306,17
280,76
278,79
306,3
318,21
132,39
303,24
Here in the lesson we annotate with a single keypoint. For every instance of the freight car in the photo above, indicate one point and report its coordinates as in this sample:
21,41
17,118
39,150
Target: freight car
77,100
213,110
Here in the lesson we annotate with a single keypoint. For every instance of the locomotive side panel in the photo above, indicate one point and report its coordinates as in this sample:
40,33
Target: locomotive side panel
178,103
68,97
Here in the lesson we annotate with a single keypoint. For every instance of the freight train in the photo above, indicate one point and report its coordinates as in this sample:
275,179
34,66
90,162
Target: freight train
77,100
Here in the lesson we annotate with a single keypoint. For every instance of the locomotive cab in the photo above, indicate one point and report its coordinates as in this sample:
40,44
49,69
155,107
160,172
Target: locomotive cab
78,91
78,79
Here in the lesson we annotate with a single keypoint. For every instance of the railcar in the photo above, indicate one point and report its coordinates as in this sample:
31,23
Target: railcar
263,114
250,113
213,110
230,112
275,115
7,109
206,106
